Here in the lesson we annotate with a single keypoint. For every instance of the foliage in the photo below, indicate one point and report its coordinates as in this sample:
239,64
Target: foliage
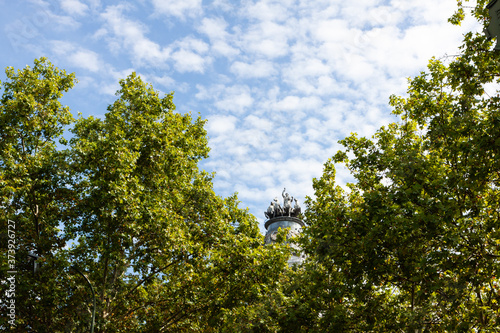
413,243
163,251
33,181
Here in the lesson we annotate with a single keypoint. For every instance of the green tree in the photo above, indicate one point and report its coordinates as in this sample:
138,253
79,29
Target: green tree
33,175
163,251
413,245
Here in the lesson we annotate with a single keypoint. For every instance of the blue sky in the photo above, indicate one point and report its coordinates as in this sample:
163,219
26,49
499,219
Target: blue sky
280,82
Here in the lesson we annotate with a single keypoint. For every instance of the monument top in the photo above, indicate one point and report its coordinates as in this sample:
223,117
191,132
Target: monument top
276,210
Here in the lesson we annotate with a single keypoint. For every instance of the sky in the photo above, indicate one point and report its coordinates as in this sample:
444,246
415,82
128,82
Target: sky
279,82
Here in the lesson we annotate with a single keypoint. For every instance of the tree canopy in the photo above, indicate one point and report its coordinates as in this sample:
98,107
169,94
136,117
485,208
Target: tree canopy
413,243
125,203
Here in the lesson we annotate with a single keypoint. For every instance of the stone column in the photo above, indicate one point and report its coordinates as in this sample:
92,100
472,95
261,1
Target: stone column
294,226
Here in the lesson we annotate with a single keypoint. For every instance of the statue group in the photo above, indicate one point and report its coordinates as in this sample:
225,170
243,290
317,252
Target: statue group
275,209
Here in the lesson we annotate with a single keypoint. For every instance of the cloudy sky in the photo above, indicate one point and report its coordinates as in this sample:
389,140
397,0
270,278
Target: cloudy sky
279,81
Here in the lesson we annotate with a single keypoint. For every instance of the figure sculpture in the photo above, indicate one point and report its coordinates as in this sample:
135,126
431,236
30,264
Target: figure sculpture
275,209
270,211
296,208
278,211
287,202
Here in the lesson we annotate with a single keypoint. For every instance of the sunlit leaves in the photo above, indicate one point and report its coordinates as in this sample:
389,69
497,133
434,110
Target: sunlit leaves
127,204
416,233
185,257
34,186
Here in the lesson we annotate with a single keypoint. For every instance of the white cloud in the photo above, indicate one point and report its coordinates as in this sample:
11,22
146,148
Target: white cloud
263,124
223,48
220,39
277,11
86,59
235,99
258,69
180,9
296,103
74,7
188,61
329,30
193,44
267,39
101,77
218,125
225,5
77,56
190,55
214,28
130,35
186,55
63,23
165,81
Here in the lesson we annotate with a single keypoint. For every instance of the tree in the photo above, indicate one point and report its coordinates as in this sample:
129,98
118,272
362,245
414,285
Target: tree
150,217
33,175
163,251
413,244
